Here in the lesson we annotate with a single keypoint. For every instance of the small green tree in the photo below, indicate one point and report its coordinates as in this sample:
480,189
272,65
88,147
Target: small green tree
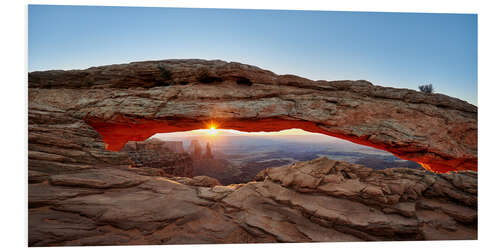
426,88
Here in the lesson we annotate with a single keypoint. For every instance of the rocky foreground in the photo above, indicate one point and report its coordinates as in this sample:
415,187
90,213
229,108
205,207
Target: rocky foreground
319,200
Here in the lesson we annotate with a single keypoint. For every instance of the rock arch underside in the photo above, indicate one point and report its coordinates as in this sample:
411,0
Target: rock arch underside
80,180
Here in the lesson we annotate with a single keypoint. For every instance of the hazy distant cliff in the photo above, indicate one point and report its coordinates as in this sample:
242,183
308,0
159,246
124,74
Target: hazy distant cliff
195,150
159,154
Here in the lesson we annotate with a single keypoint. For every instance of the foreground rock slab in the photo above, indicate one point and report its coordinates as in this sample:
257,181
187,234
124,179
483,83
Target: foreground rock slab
316,201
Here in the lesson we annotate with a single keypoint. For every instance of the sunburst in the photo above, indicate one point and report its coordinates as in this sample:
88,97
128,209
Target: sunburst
212,129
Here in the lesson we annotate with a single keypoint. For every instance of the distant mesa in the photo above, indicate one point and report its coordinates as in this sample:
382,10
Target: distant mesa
195,149
155,144
208,152
168,156
175,146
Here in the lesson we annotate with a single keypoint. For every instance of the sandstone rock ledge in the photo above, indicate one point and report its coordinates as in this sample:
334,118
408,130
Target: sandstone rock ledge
75,114
319,200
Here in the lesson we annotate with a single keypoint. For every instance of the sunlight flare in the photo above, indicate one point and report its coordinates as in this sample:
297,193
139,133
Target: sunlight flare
212,130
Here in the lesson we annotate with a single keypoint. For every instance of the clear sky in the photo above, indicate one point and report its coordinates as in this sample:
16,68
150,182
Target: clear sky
400,50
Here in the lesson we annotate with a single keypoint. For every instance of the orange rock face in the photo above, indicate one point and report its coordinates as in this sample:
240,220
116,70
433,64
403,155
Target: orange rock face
115,136
131,102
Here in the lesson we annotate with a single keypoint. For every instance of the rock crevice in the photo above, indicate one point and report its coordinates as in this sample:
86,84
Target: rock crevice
319,200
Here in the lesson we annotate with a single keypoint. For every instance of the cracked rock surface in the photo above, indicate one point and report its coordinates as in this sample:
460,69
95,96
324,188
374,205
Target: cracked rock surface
314,201
81,112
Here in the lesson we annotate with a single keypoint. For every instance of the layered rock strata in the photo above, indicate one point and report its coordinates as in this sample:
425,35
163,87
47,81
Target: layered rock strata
316,201
131,102
84,191
155,153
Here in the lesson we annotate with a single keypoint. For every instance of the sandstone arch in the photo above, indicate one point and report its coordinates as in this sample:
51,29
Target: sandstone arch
134,101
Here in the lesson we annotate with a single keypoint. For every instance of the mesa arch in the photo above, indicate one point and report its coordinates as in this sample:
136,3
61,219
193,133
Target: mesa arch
134,101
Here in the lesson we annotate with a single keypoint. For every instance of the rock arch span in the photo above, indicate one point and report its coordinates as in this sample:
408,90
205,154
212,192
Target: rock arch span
134,101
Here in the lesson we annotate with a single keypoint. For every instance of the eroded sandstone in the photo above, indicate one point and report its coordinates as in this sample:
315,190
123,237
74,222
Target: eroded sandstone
158,154
83,191
131,102
392,204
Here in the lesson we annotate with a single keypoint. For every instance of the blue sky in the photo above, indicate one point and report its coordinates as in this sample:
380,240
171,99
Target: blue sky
400,50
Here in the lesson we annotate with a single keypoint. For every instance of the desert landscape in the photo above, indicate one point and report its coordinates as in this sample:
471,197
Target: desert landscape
106,165
233,157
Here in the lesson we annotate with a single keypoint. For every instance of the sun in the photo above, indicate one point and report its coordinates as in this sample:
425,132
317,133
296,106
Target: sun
212,130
